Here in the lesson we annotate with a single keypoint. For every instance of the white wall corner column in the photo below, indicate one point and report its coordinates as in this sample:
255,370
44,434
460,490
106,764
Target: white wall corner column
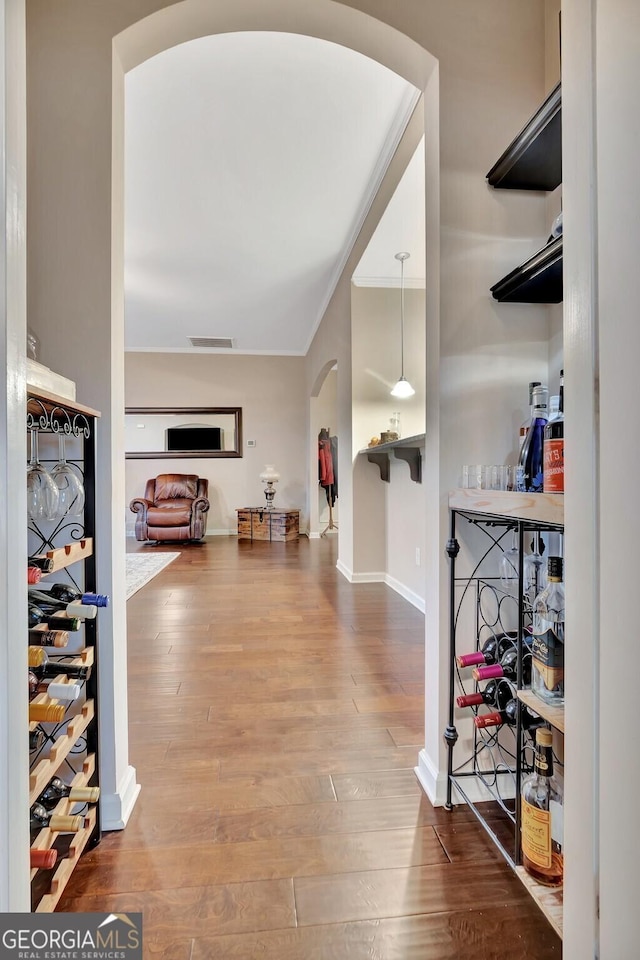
580,922
616,33
14,796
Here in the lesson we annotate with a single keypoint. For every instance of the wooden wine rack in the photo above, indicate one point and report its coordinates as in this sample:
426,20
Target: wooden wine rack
70,553
74,742
46,837
84,659
48,766
61,876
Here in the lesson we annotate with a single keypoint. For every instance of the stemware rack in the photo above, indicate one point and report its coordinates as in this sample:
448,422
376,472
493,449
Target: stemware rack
485,767
69,749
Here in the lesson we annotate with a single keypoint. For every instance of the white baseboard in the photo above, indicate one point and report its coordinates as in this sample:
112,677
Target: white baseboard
313,535
116,808
344,570
405,592
434,784
432,781
221,533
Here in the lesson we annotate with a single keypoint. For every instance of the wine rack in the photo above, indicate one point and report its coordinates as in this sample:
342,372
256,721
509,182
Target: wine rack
69,749
485,767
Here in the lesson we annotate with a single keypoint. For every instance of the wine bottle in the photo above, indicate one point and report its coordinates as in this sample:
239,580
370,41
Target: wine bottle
548,637
57,790
531,455
41,818
45,563
491,651
63,591
541,807
34,574
554,448
524,429
51,668
508,667
497,693
36,739
46,712
56,607
38,616
56,691
43,859
43,637
509,716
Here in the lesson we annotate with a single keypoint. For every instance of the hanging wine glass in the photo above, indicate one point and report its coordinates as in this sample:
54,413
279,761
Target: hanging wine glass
534,576
42,492
70,487
509,562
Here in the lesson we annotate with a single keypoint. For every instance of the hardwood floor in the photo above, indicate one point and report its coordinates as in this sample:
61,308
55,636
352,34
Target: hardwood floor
276,714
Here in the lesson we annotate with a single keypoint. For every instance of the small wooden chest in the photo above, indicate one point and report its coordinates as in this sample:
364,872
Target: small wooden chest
257,523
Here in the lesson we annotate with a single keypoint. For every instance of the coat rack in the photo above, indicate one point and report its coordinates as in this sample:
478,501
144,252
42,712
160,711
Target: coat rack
327,474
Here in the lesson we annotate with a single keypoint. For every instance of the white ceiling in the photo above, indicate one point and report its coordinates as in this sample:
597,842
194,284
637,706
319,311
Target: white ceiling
251,160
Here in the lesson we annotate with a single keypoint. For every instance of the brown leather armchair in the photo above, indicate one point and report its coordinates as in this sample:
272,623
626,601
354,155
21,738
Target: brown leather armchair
174,508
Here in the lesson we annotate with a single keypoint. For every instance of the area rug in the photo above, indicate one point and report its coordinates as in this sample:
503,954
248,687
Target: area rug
142,567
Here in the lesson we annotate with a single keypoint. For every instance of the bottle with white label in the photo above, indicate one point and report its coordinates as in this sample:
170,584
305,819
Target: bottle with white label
541,817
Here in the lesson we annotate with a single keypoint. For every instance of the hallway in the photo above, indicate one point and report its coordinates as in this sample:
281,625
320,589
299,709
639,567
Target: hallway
276,714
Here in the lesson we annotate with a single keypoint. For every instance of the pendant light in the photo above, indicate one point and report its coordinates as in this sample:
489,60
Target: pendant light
403,388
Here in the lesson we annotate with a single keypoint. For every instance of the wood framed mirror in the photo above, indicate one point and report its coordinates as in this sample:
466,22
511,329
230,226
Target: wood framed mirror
172,433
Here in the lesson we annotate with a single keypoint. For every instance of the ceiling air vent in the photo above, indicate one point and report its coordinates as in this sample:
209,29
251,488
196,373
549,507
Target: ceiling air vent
220,342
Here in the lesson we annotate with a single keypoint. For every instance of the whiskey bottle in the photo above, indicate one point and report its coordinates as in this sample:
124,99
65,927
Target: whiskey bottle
541,817
548,637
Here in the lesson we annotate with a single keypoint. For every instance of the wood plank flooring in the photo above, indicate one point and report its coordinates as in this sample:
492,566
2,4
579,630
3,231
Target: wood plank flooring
275,713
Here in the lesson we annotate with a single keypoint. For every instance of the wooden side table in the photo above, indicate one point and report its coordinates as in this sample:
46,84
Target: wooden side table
256,523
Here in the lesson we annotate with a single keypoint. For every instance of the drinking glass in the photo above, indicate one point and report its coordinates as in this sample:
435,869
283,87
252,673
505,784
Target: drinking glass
70,487
509,564
534,574
42,492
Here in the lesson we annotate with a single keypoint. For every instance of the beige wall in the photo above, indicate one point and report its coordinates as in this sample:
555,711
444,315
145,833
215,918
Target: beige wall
271,392
375,358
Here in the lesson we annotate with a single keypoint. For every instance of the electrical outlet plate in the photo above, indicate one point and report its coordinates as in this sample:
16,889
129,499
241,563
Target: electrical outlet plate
251,443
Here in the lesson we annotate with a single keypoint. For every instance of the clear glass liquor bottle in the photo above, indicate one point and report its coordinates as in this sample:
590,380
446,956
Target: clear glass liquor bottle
541,817
547,650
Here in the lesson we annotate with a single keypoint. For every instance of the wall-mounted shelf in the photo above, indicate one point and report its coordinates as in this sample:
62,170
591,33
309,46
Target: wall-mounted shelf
533,160
536,507
553,715
407,449
537,280
549,899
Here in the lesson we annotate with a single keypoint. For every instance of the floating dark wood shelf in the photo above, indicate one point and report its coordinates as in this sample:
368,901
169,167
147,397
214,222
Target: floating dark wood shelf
538,280
407,450
533,160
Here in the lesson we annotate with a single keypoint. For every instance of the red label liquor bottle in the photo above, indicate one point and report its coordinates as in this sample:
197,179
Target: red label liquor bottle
554,448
